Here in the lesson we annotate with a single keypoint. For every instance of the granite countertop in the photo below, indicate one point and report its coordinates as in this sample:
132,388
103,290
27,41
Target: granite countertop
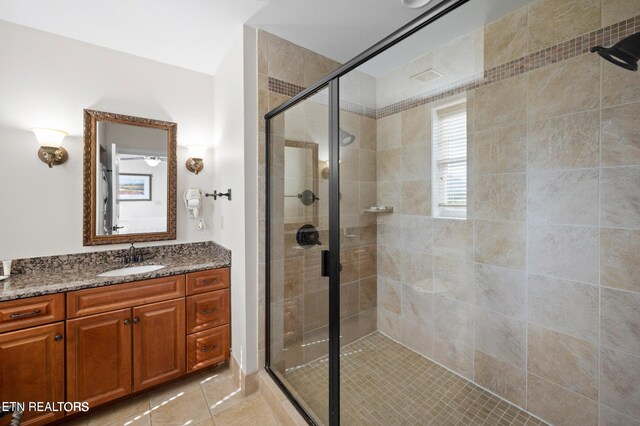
55,278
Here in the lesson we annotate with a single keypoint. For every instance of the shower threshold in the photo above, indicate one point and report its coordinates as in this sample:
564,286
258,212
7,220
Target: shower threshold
386,383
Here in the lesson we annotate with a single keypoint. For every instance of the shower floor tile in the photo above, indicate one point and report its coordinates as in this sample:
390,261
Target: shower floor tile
385,383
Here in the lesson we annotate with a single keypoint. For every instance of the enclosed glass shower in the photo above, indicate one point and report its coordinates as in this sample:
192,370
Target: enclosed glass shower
453,223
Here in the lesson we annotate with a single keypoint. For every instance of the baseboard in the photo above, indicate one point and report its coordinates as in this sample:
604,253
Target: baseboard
248,383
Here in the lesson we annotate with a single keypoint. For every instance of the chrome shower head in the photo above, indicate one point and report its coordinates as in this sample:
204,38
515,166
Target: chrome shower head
624,53
346,138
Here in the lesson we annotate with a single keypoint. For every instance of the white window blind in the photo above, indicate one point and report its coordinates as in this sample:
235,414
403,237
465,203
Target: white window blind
450,137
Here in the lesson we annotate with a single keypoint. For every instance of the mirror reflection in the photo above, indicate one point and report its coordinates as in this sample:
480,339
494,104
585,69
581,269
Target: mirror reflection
301,182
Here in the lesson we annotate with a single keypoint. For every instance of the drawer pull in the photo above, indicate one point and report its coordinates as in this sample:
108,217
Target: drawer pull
26,314
210,281
209,311
207,349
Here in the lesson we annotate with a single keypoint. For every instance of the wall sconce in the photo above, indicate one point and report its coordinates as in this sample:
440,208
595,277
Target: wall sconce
51,150
194,162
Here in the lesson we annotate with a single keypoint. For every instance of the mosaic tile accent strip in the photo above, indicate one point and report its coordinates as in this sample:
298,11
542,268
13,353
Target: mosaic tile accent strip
605,36
385,383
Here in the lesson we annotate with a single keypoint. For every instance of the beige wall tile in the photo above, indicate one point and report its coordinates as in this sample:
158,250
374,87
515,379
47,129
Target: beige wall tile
367,165
453,238
349,299
505,39
390,295
620,321
500,289
417,307
389,165
564,197
368,293
389,132
500,197
390,323
564,360
620,381
349,163
388,195
565,306
501,336
453,278
501,104
285,60
621,135
502,150
316,313
417,233
417,269
564,87
418,337
610,417
554,21
453,354
316,66
416,125
368,133
416,197
619,86
500,244
453,319
500,377
558,405
567,142
614,11
620,198
620,258
368,321
566,252
416,162
389,262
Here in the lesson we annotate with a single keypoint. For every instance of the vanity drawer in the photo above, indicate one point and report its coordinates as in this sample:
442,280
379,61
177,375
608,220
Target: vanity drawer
207,310
201,282
109,298
23,313
207,347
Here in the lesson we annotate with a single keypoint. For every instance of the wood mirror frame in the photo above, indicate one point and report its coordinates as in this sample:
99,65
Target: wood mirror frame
90,237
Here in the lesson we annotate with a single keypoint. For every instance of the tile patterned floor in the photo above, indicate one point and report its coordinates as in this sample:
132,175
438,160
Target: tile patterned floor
385,383
208,399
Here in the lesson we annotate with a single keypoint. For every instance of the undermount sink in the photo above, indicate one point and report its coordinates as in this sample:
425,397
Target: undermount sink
131,270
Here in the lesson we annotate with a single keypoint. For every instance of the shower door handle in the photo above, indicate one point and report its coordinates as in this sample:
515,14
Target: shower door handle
325,264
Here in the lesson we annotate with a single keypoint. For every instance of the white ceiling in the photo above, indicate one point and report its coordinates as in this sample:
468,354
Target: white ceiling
193,34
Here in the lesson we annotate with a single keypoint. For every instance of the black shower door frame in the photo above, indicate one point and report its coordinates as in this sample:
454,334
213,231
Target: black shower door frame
332,81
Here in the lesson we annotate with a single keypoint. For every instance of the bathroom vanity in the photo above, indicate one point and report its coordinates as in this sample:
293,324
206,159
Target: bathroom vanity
104,338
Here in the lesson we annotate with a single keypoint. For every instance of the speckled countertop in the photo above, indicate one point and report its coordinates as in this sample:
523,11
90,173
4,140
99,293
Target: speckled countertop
56,274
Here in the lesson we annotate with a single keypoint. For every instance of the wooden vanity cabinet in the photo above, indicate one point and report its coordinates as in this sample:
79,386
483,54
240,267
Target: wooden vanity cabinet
99,357
120,339
32,368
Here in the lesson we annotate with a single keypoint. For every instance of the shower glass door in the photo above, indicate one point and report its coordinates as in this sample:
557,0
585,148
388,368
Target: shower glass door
298,235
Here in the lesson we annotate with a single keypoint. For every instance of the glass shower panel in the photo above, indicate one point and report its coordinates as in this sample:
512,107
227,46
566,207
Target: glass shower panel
298,222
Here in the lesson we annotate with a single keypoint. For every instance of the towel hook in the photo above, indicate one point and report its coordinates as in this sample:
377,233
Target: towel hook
217,194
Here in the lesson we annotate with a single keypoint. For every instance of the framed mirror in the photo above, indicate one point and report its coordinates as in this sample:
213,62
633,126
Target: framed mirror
129,183
300,183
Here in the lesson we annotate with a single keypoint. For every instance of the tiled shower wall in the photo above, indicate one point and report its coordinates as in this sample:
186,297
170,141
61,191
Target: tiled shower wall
536,295
299,293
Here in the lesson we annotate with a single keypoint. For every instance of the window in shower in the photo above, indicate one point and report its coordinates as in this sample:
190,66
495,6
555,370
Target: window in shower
450,160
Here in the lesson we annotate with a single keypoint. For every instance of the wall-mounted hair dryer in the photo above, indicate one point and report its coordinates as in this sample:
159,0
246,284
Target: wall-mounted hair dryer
193,203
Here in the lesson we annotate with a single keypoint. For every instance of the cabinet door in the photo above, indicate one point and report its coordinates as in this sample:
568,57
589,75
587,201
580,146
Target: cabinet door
32,367
158,343
99,357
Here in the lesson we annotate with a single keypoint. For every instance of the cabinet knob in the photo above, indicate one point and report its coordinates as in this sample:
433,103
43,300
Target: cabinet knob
127,321
57,337
136,320
206,349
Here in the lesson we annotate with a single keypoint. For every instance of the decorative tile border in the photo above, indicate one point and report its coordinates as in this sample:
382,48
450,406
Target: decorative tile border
605,36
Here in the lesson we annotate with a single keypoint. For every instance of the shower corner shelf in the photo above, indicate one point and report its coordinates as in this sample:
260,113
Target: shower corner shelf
378,210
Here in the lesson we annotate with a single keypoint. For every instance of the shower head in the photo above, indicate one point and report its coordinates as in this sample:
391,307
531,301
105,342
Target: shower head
624,53
346,138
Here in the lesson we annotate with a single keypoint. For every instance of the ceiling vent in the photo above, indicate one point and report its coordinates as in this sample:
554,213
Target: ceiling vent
427,75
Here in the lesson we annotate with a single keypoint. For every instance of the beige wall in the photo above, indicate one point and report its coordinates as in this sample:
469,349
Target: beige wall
536,295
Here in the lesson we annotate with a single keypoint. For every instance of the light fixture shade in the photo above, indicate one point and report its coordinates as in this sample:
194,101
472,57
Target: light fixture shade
49,137
152,161
197,151
414,4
